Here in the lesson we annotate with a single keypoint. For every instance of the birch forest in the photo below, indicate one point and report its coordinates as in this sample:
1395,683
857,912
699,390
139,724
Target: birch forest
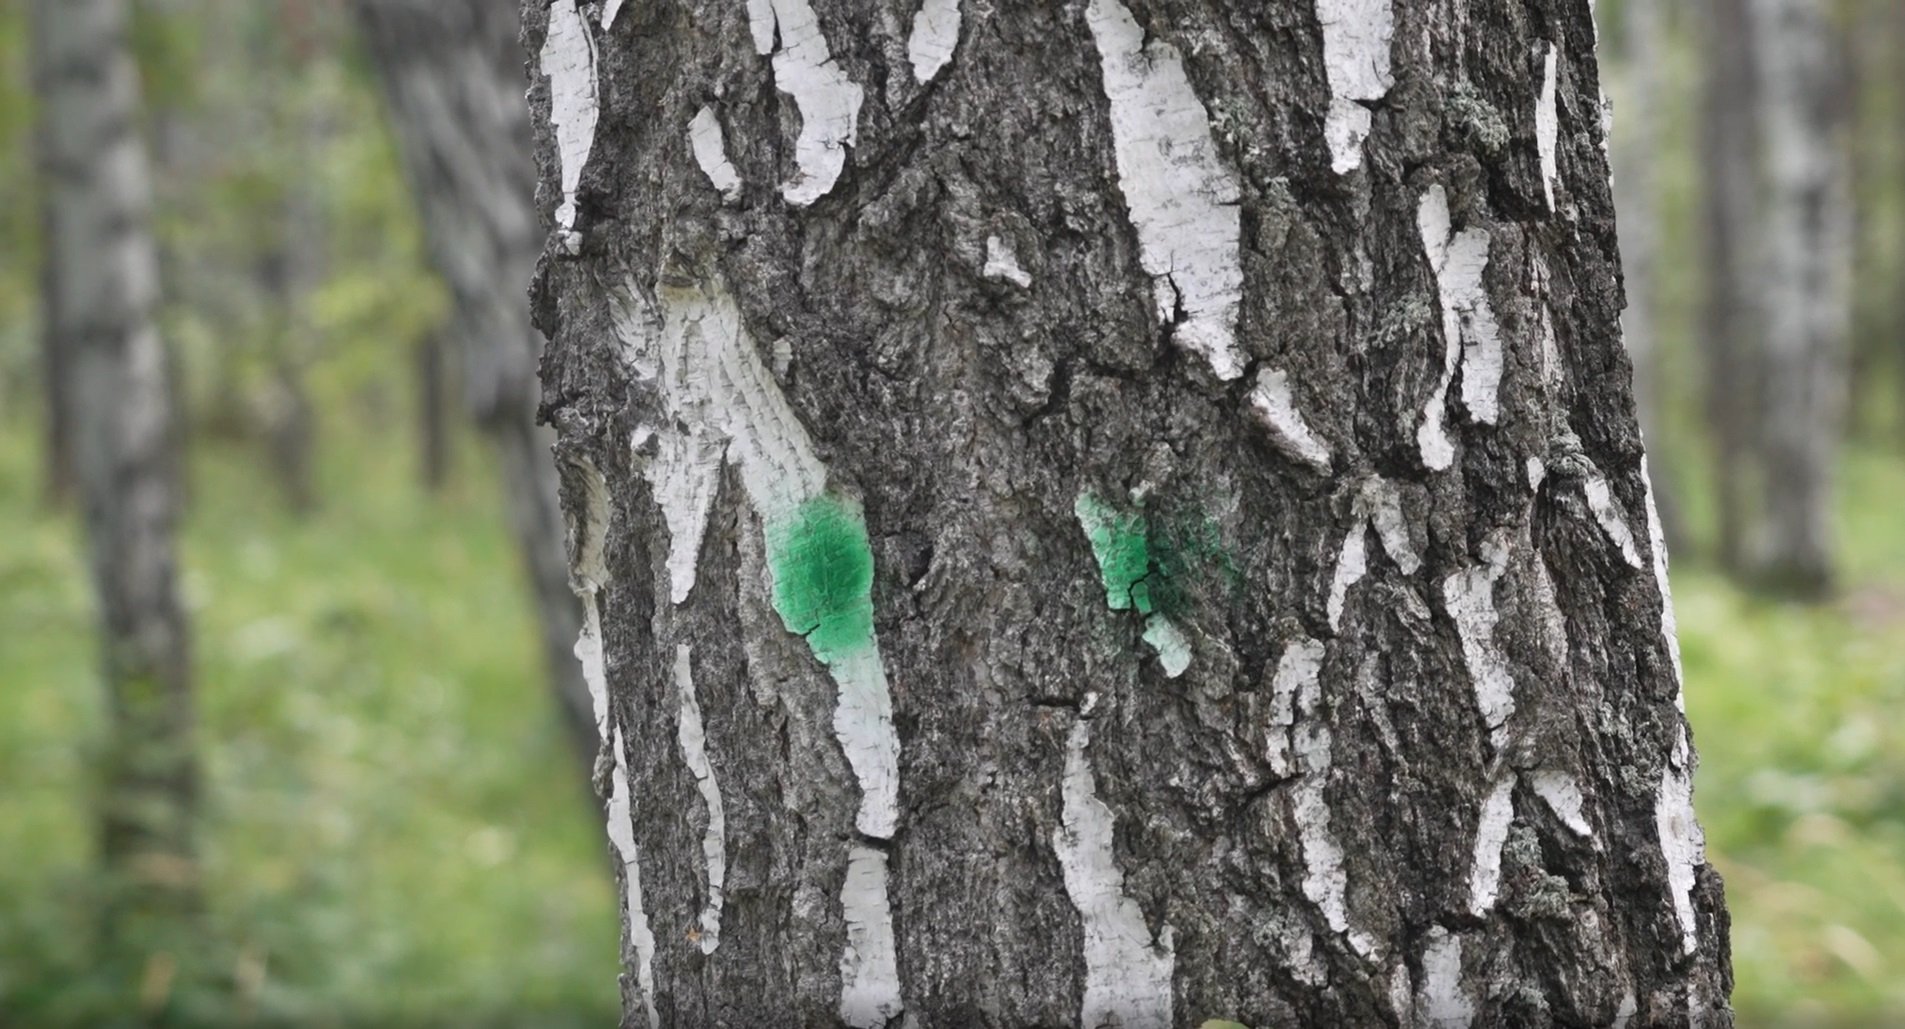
938,513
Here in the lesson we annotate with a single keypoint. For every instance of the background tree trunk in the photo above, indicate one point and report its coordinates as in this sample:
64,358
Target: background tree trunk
1804,286
1139,528
452,71
1637,136
103,276
1730,333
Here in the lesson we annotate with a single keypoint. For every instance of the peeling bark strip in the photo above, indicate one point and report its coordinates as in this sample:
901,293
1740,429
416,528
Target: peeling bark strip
1183,200
1127,967
1044,677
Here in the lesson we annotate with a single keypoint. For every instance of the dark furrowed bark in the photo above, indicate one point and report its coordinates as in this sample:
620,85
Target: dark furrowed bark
1245,521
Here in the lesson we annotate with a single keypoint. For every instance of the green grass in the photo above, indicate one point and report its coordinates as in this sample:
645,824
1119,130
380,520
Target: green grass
1802,778
395,831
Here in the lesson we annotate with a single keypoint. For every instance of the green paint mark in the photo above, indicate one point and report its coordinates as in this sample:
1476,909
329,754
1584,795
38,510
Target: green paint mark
822,563
1122,546
1151,563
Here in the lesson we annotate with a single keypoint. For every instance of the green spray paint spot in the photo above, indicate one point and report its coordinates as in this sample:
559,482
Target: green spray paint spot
1152,563
822,563
1121,544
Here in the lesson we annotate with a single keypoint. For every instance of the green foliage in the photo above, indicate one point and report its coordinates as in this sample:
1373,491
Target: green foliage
822,564
397,832
1801,784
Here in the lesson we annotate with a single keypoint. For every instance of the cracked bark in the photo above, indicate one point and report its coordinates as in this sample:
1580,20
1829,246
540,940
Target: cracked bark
1454,796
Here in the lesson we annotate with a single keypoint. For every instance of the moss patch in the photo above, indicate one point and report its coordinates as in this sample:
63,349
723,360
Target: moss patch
822,563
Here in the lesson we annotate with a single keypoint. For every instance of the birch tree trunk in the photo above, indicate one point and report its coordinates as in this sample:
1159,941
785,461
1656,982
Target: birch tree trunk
1804,286
1114,513
1731,336
1637,149
452,72
102,277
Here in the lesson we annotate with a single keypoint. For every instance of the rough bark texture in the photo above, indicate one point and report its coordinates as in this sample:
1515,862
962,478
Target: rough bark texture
453,73
1114,516
1731,337
103,279
1804,294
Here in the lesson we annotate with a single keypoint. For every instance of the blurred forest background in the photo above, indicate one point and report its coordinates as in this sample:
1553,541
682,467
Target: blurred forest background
393,824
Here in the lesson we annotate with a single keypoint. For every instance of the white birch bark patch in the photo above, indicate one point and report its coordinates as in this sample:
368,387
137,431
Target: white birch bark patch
869,968
710,148
829,102
1442,1001
568,59
1491,835
1562,794
1356,37
1002,263
935,36
692,737
1182,200
1547,122
1127,969
1469,597
1305,752
1682,844
1469,331
1607,514
1274,404
1377,506
588,577
622,834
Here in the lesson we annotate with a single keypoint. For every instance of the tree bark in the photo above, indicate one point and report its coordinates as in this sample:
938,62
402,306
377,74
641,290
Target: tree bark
1731,336
1114,515
452,73
1804,286
103,276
